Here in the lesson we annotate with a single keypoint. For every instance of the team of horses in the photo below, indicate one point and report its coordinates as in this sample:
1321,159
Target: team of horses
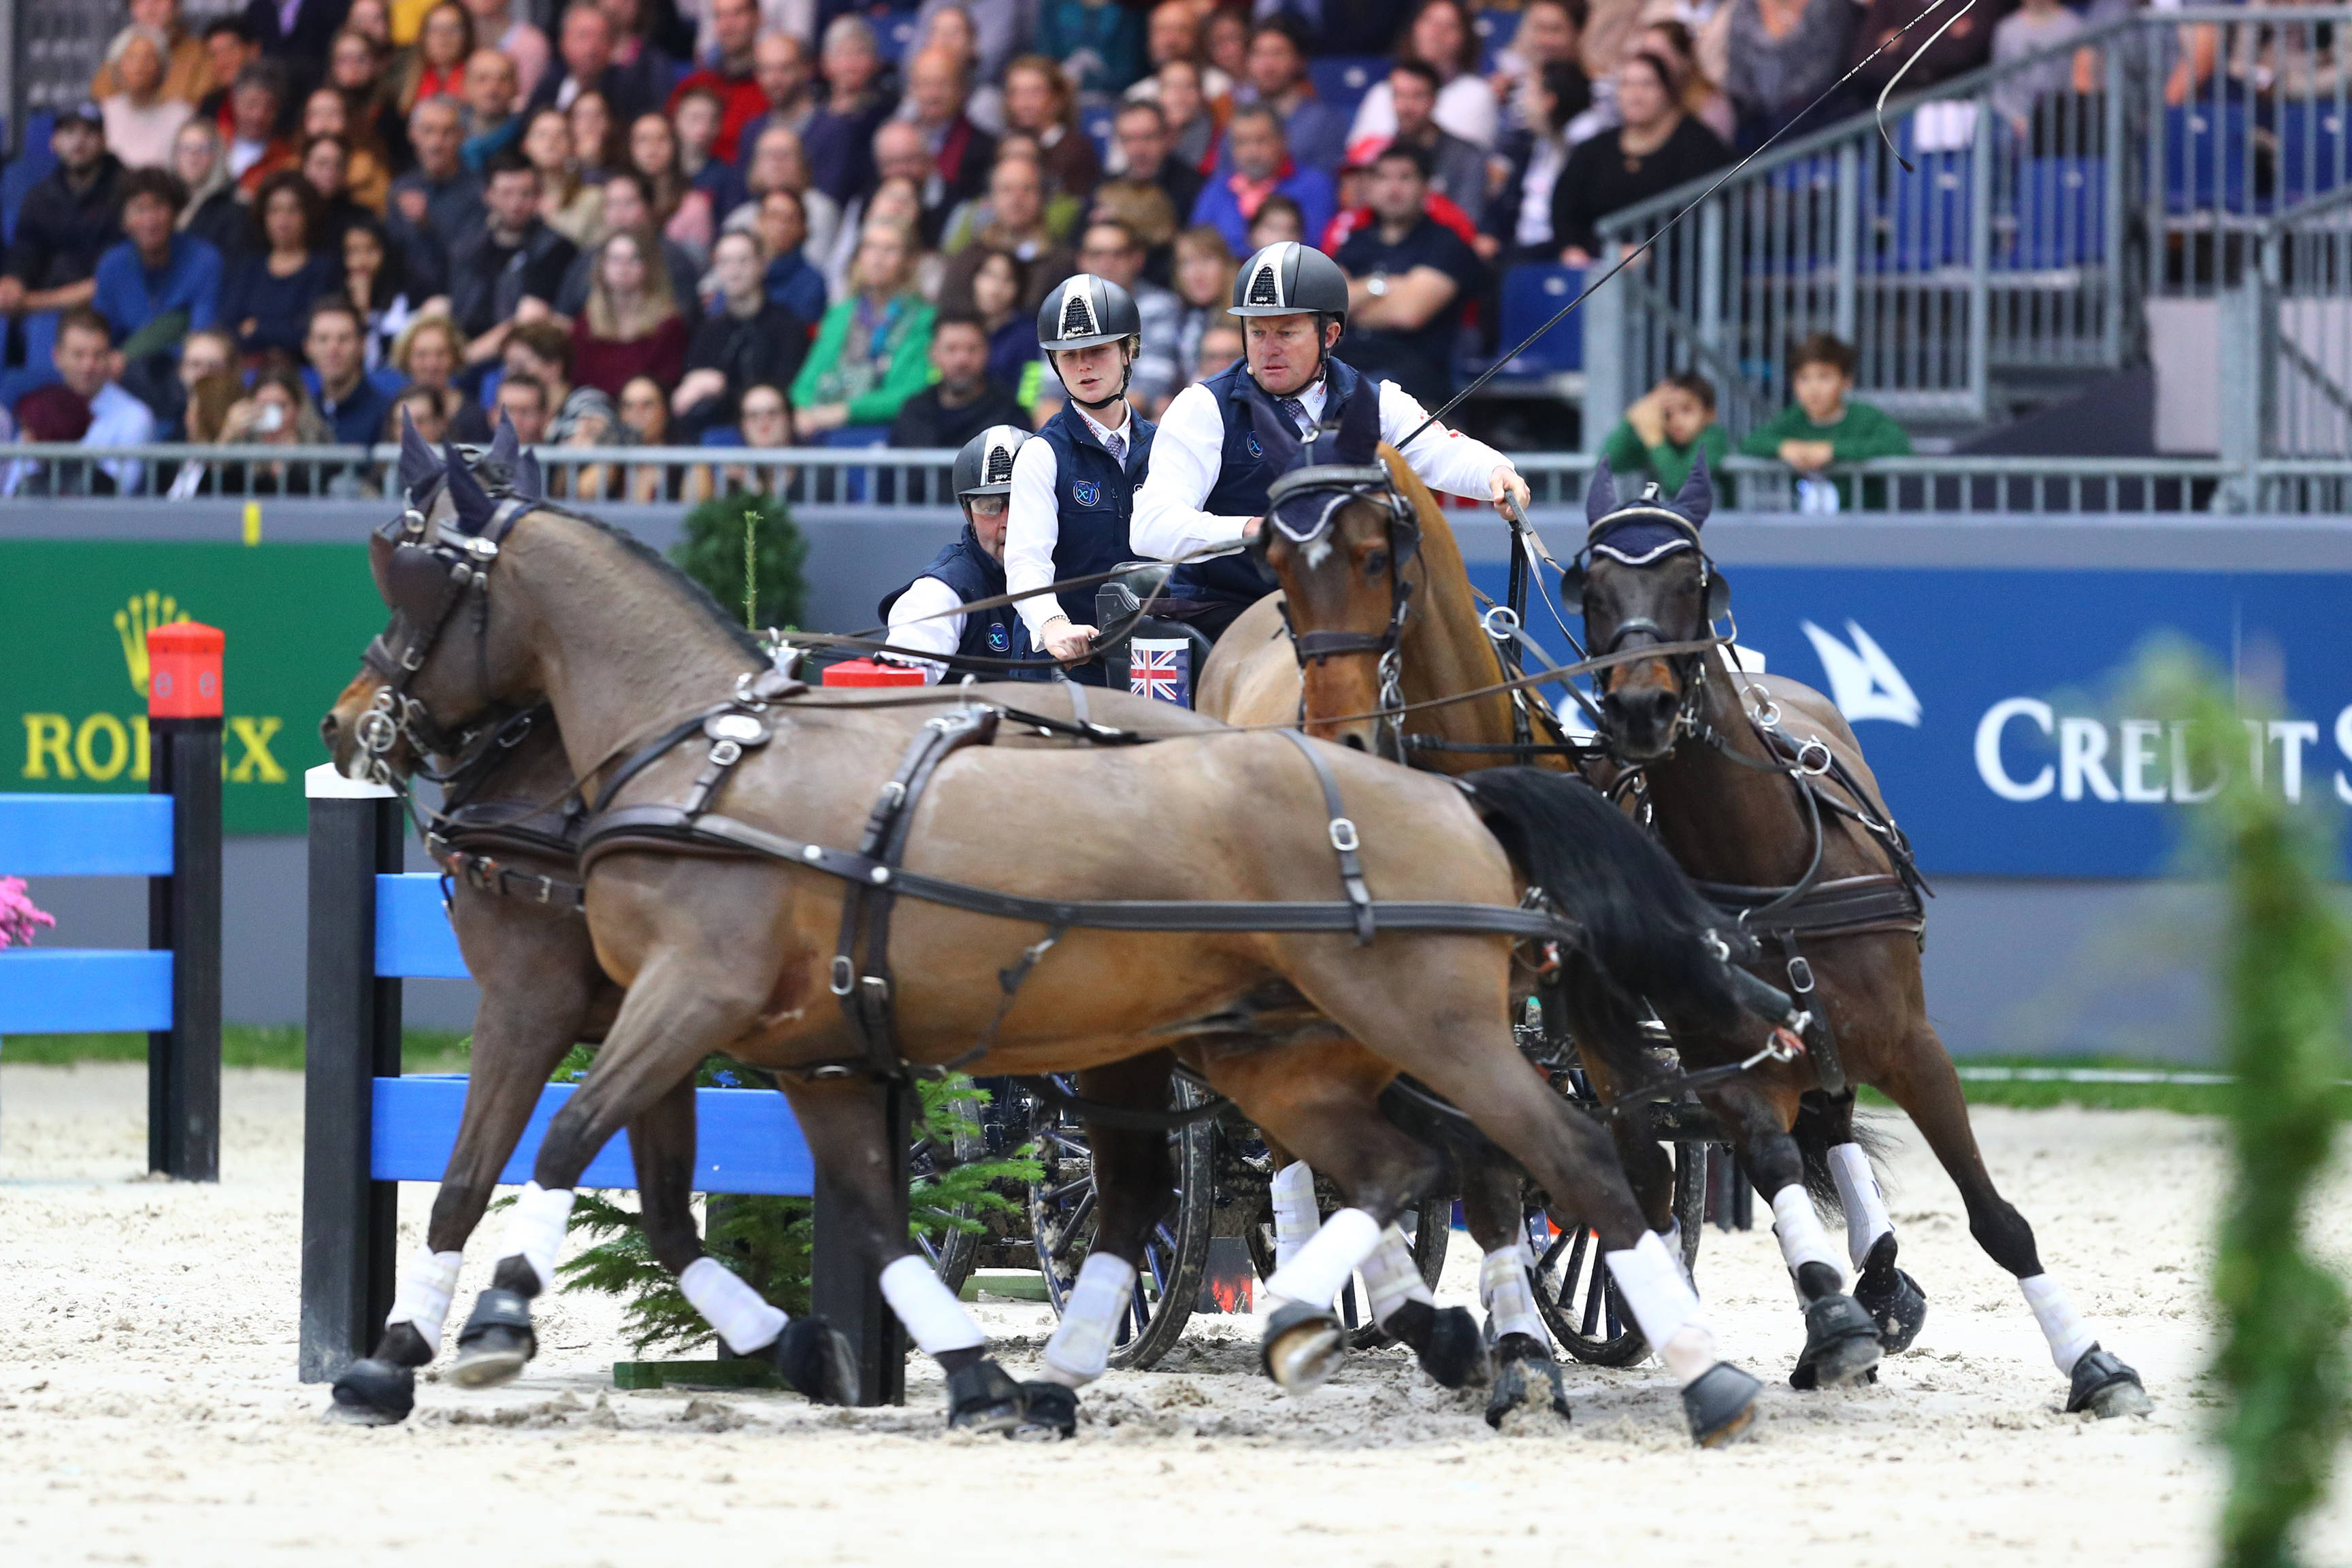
600,728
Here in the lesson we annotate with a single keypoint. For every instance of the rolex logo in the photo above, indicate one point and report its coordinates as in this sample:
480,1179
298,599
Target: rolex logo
142,614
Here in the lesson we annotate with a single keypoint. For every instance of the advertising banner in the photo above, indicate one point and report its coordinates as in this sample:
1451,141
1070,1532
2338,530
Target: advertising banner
74,619
1990,703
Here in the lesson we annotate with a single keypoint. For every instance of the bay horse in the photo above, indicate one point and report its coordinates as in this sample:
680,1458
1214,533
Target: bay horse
1757,786
1012,922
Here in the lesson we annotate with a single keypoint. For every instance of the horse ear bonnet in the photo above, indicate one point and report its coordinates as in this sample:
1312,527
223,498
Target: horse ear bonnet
529,482
1696,499
505,446
1601,499
1649,528
472,502
420,470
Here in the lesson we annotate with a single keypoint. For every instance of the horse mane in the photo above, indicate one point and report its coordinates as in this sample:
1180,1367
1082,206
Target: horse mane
696,596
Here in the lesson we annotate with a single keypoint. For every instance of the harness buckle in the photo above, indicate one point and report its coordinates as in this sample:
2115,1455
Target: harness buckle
1500,623
1800,975
1814,747
843,975
1344,838
726,754
1768,713
546,888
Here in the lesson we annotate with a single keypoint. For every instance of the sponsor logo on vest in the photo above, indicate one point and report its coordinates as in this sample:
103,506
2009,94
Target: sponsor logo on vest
999,640
1250,441
1086,493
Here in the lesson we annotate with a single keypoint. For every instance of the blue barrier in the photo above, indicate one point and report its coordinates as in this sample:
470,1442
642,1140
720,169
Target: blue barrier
171,991
412,939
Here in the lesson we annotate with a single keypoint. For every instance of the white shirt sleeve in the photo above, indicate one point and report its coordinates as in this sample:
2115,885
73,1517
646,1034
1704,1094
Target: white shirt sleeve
928,596
1446,460
1187,456
1032,528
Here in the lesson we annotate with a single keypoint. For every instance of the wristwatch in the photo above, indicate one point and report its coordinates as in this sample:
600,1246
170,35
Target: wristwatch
1377,285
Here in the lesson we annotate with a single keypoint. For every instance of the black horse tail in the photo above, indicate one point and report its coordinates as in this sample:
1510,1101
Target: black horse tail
1820,1128
1646,930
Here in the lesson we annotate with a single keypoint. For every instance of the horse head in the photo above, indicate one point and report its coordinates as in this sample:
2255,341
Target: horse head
410,698
1339,536
1643,577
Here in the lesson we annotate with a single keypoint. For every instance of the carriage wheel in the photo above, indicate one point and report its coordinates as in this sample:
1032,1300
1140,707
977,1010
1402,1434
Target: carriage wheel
1062,1221
1429,1242
1579,1300
952,1253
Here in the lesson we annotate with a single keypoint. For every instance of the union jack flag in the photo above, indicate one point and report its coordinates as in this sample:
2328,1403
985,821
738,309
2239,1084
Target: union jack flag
1162,670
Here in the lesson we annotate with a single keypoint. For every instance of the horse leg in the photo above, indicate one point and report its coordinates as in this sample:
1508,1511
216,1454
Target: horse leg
1840,1341
521,1030
845,1125
1526,1375
1892,1298
1320,1100
1920,1079
1478,1068
1134,1190
676,1013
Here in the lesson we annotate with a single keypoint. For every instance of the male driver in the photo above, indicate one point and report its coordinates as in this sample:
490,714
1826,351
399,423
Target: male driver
1073,486
1409,277
928,612
1209,475
333,343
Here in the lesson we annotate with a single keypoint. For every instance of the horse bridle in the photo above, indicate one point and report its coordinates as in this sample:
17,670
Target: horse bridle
435,570
1714,586
1292,509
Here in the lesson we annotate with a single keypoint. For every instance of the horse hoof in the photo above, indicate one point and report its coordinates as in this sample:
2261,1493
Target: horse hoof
814,1357
497,1341
1720,1404
982,1397
1455,1353
2106,1387
1525,1378
372,1392
1303,1346
1049,1413
1892,1298
1841,1345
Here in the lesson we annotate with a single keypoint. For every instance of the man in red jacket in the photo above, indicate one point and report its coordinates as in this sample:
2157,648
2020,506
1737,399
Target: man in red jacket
729,74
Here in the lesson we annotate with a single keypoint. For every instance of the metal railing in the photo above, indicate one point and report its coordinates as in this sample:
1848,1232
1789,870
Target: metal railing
2287,340
2020,251
856,482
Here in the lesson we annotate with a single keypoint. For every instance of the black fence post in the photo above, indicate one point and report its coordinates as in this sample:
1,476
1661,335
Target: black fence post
184,910
352,1025
844,1285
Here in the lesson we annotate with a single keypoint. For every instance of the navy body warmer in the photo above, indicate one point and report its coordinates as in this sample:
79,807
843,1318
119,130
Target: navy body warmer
1351,401
974,574
1093,497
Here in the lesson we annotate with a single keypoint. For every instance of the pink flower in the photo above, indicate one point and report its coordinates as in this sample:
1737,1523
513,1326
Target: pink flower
18,916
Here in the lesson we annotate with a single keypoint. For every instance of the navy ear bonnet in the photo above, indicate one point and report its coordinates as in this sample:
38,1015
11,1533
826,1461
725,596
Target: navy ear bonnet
1650,528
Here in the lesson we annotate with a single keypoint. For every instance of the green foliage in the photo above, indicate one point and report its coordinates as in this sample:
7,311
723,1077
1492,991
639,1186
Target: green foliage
242,1046
2285,979
766,1240
711,553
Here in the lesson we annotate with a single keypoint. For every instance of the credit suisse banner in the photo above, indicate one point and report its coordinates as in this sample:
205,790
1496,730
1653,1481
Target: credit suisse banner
1989,701
74,619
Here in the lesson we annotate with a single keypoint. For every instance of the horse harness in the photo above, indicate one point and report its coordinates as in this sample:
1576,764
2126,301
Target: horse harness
1809,907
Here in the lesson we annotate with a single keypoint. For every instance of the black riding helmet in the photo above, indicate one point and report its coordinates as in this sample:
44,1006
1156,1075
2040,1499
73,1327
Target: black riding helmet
1288,278
1085,310
984,467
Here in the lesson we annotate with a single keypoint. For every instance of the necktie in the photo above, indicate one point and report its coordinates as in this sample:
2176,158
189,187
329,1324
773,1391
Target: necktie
1298,412
1115,445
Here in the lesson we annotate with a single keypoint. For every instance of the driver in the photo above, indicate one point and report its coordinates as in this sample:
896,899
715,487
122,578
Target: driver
1208,483
1073,486
928,612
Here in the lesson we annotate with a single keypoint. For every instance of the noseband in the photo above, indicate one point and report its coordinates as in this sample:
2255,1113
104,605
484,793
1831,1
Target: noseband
1304,505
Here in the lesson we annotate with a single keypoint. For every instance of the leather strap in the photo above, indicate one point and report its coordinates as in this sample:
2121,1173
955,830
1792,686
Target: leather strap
1343,835
1847,906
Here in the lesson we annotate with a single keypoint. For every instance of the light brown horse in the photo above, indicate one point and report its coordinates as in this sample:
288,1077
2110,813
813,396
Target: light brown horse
734,950
1724,760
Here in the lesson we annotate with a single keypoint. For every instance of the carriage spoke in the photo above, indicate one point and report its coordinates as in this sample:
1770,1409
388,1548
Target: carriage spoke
1595,1294
1568,1276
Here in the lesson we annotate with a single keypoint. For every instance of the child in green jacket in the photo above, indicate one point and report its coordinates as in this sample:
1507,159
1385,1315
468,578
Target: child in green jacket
1824,426
1662,428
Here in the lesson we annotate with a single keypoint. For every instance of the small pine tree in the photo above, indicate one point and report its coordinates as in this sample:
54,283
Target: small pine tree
711,551
766,1240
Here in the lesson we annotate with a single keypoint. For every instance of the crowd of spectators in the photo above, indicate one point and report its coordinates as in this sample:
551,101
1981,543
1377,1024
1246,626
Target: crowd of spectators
751,223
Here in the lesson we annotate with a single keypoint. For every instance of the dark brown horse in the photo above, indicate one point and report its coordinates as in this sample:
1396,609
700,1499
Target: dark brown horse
1757,786
702,899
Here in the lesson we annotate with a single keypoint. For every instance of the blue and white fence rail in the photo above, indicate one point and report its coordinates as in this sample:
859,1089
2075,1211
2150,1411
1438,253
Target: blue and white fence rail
369,1128
170,990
